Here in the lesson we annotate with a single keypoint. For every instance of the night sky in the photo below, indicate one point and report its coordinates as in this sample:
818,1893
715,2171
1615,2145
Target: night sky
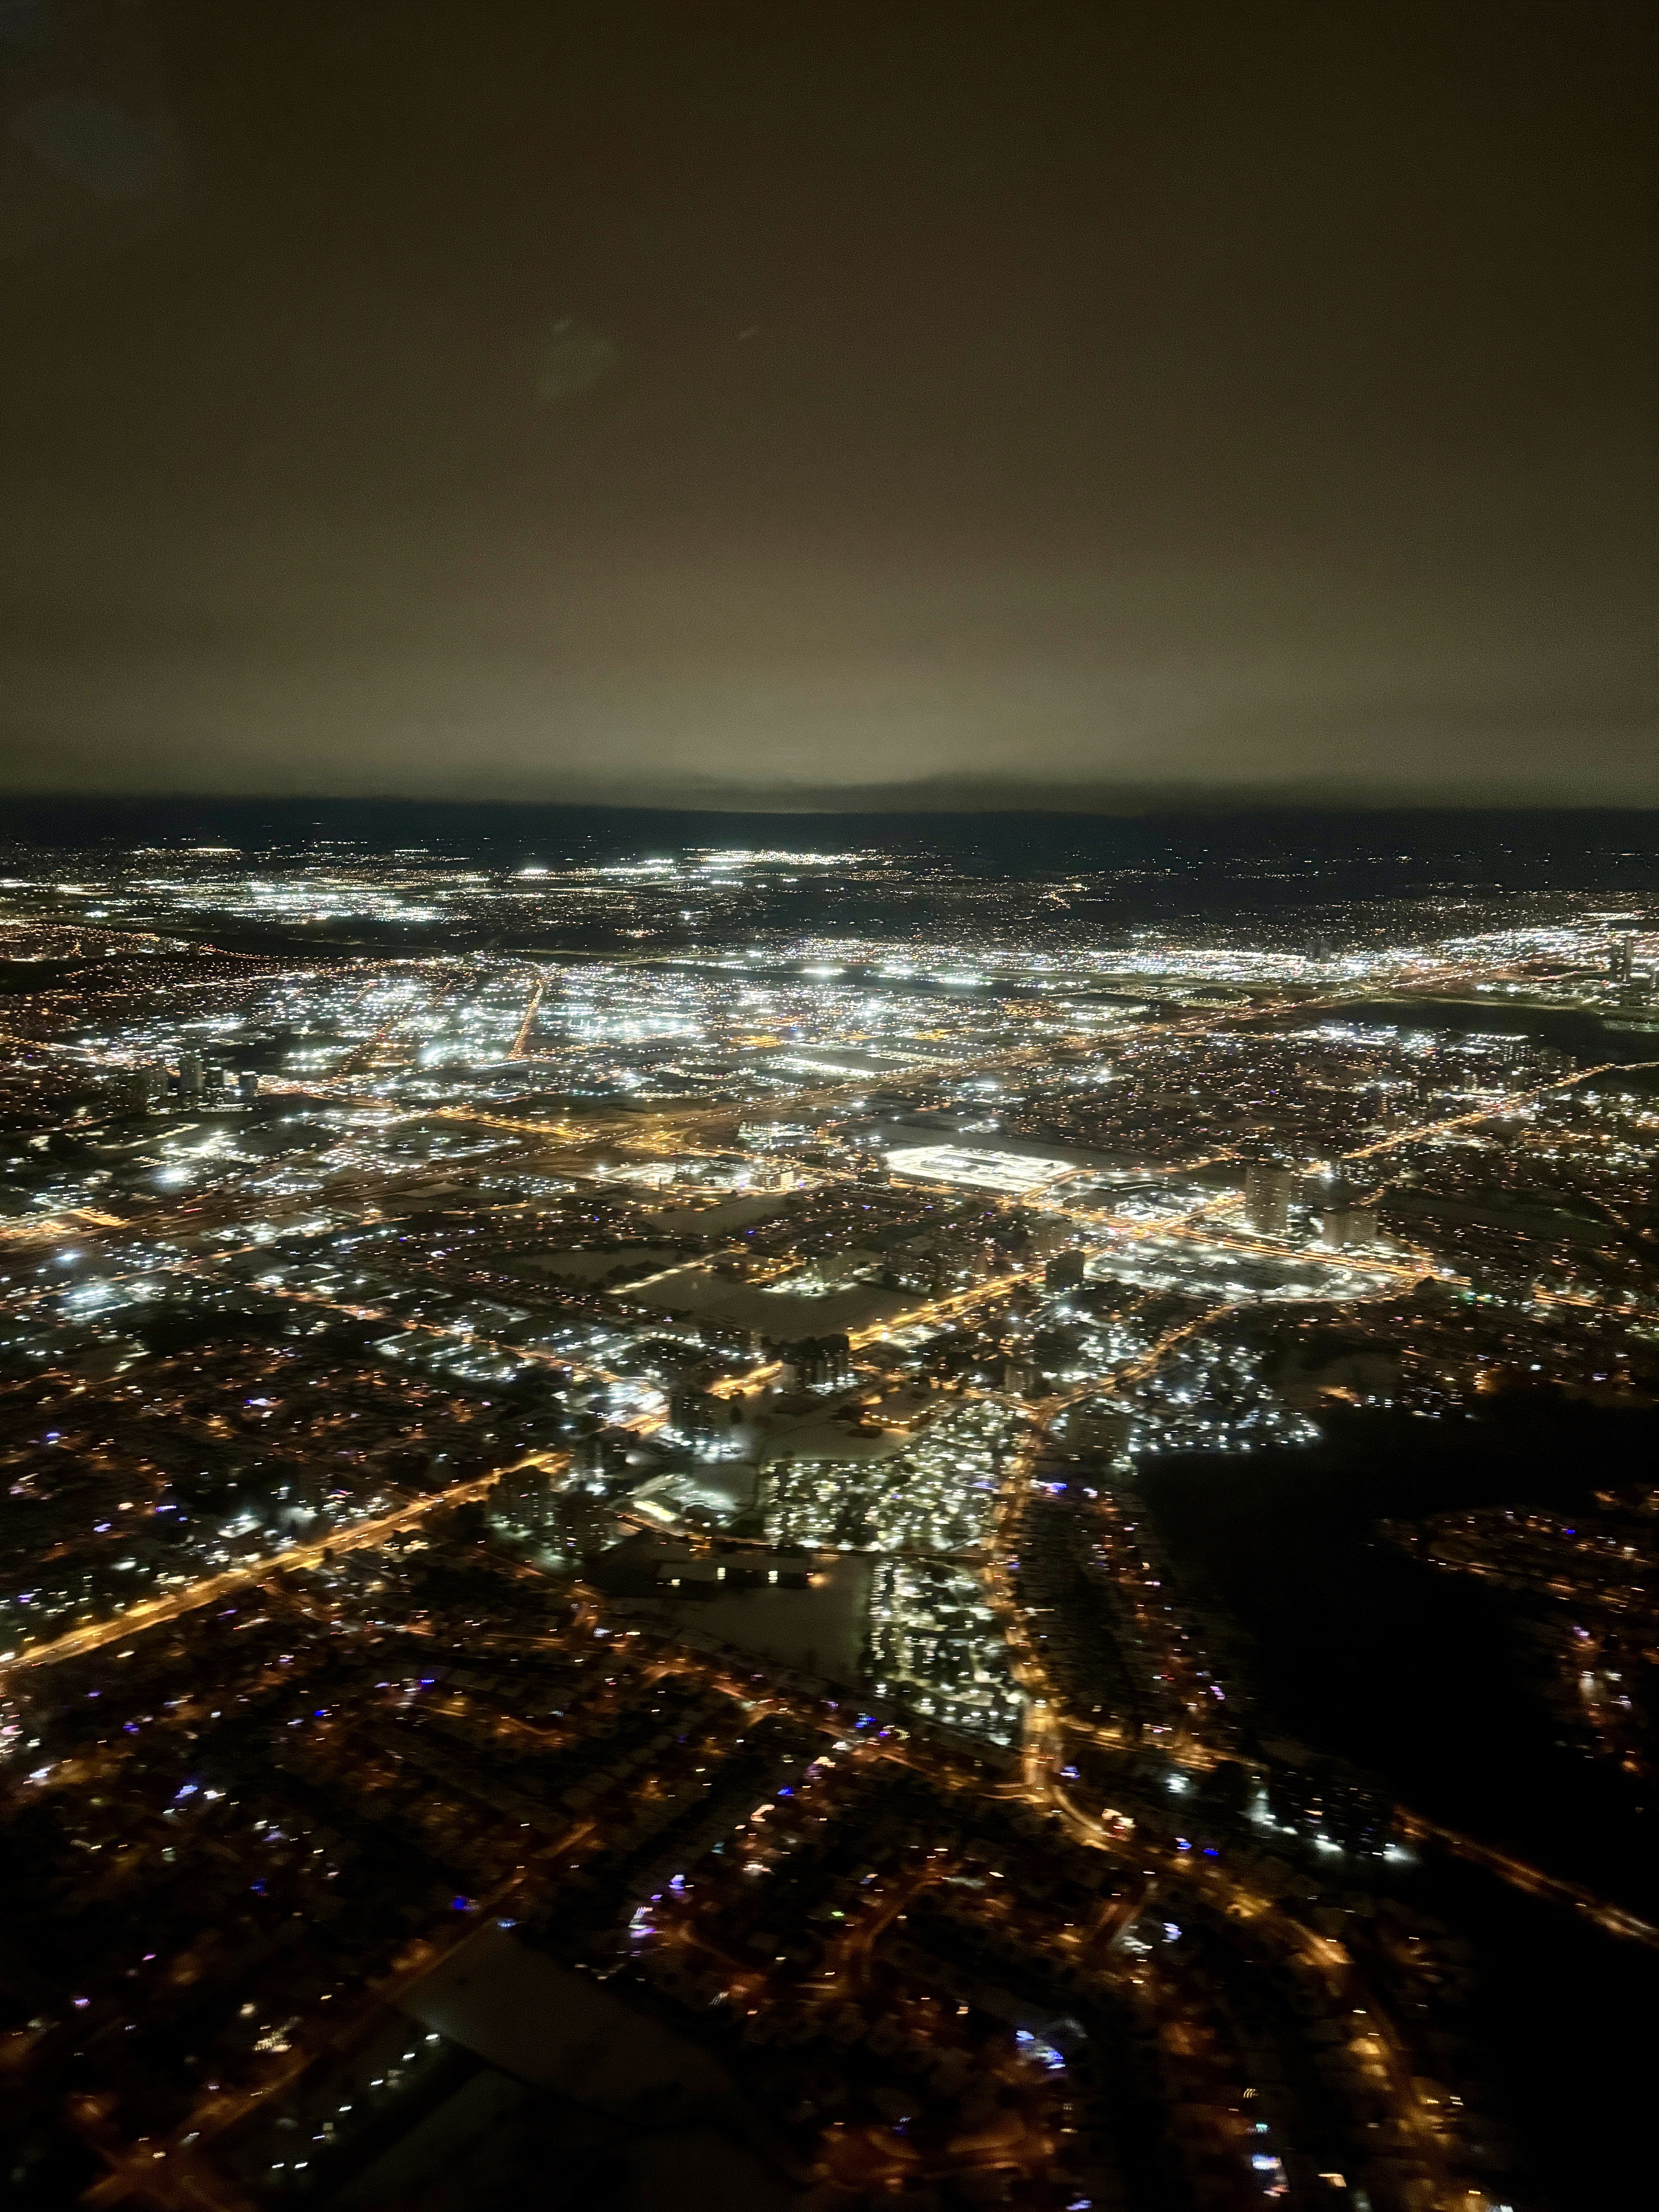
798,404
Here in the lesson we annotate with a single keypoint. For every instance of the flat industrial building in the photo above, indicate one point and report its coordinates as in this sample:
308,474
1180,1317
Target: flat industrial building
1013,1174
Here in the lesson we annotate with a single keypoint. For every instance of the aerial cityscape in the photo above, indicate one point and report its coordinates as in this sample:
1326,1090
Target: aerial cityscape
583,1545
829,1106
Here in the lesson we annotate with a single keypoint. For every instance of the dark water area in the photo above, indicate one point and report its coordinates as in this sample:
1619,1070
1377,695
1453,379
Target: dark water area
1562,2018
1414,1672
1363,1652
1592,1038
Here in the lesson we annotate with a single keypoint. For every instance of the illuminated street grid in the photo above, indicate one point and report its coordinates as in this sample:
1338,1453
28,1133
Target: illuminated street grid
936,1498
933,1645
381,1225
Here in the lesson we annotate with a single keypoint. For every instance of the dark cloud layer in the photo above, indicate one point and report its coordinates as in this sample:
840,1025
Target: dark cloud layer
914,405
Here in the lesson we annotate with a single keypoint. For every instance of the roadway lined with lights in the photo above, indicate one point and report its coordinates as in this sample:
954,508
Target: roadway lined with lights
154,1612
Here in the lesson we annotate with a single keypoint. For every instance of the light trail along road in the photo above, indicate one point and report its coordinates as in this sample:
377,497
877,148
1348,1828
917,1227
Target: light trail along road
155,1612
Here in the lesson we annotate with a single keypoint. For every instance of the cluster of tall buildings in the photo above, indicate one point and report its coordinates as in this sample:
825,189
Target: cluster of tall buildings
1270,1191
195,1082
817,1363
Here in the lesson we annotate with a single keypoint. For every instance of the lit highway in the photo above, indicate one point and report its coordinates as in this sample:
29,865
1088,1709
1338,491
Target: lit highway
348,1536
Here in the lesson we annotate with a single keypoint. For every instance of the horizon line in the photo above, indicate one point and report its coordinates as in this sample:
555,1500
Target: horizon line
864,804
